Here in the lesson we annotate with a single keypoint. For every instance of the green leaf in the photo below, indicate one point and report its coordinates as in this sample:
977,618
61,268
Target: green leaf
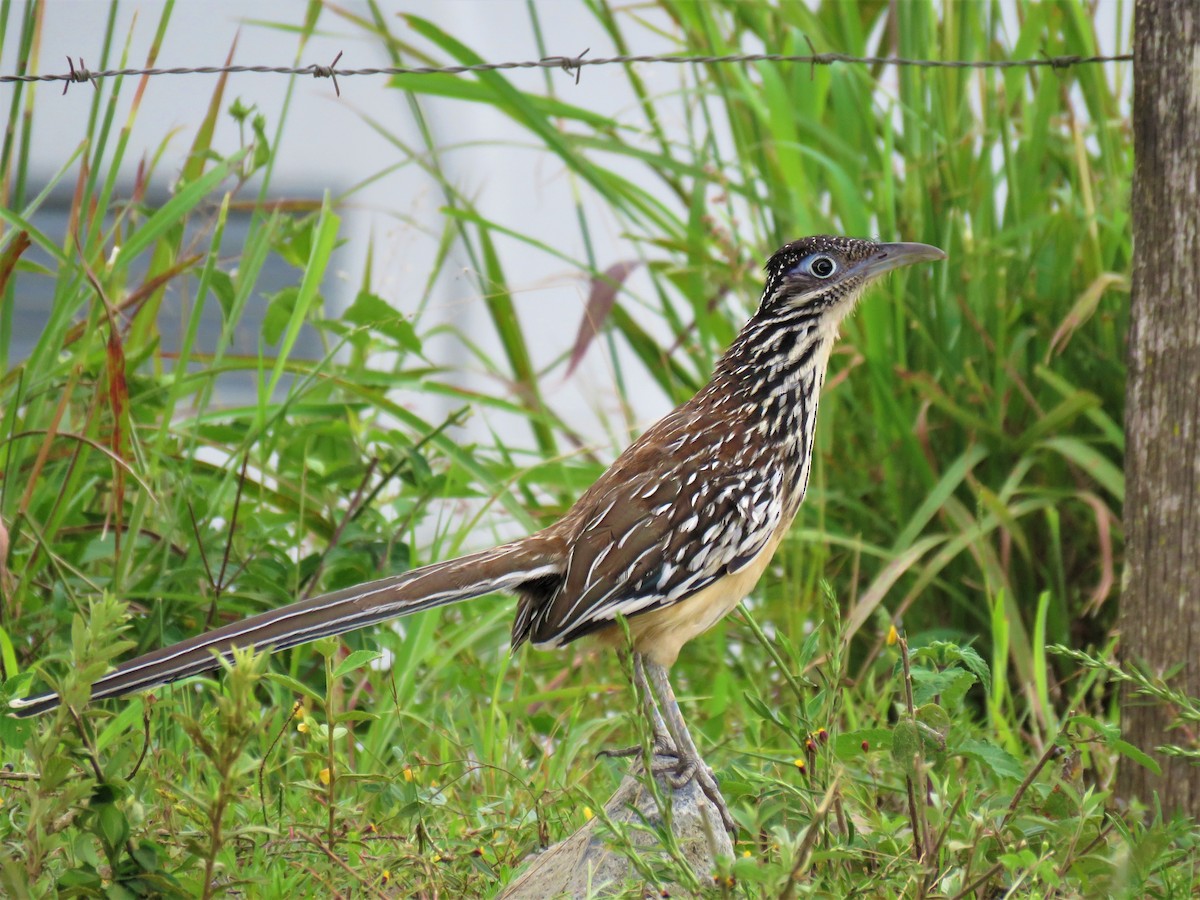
146,854
356,660
945,653
375,312
765,711
906,744
455,87
1095,463
848,745
262,145
1106,730
279,313
83,878
128,718
295,686
997,759
323,239
953,694
933,723
1138,756
8,659
18,685
950,685
356,715
326,646
14,732
112,826
953,478
223,290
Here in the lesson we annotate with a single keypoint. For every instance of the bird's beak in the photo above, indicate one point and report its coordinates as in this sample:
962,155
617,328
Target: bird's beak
892,256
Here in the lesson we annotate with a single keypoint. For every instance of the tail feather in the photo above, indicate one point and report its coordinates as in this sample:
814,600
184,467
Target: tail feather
502,568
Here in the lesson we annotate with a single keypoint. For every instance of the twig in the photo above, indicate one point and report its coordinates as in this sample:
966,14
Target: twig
333,857
19,776
810,837
1050,753
262,766
351,511
145,739
978,882
915,811
1092,845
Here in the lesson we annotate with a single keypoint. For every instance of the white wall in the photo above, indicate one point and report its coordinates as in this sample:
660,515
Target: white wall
328,145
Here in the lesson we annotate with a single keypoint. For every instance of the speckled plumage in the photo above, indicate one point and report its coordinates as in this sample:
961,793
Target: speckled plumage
700,494
672,536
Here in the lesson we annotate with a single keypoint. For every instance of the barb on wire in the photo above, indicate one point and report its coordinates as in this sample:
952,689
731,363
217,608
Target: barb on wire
574,64
812,64
329,71
1060,62
569,64
79,75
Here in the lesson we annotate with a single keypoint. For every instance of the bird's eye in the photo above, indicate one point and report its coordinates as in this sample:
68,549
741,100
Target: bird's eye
822,266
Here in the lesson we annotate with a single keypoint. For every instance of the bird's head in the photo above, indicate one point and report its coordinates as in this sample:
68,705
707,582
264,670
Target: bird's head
829,273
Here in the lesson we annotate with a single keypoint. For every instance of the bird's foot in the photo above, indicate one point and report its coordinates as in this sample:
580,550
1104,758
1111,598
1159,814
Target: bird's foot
660,745
688,769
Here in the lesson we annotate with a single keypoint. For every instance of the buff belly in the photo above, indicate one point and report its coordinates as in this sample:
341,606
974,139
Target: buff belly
659,634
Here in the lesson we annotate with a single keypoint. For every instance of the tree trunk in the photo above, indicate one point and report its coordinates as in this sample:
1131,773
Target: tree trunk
1159,619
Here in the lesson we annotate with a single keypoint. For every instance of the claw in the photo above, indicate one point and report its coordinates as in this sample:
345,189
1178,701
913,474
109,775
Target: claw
661,745
682,773
679,773
618,754
687,770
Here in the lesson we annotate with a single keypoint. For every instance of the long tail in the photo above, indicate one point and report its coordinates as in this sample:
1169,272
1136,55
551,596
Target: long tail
502,568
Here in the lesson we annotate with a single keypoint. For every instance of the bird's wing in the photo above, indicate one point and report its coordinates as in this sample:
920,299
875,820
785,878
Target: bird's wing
654,539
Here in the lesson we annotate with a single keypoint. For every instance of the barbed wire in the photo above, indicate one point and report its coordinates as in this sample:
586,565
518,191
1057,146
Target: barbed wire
572,65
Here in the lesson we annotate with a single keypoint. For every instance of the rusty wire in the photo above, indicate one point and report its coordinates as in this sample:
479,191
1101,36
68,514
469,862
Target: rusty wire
572,65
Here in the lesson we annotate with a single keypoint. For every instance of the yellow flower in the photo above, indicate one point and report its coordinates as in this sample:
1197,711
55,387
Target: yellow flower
587,814
892,636
408,774
302,728
324,775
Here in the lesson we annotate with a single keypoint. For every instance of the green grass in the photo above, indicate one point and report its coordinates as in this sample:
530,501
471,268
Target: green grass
967,486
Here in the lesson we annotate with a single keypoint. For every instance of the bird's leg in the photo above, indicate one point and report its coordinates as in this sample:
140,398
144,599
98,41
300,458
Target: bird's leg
691,766
660,743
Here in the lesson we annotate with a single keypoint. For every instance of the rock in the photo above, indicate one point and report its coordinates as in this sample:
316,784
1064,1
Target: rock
591,863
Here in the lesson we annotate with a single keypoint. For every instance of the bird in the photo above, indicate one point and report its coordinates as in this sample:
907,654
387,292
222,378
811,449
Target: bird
670,539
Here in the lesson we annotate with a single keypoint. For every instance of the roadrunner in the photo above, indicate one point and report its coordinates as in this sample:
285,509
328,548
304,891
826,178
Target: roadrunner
671,537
